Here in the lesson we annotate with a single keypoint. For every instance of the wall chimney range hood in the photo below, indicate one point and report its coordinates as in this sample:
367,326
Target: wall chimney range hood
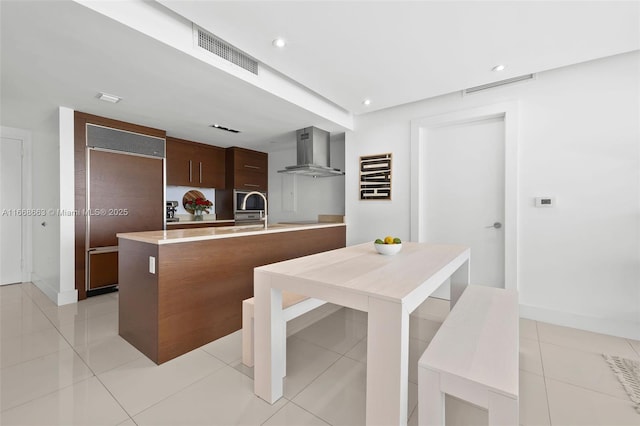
313,154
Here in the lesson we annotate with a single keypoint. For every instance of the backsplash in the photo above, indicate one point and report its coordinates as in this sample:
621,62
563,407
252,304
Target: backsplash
175,193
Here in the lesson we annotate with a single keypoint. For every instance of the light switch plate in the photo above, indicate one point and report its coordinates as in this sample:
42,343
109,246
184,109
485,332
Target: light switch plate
152,265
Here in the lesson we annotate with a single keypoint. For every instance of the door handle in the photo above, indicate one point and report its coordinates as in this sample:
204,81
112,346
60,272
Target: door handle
496,225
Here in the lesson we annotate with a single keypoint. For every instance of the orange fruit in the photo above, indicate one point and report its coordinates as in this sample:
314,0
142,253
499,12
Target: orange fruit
388,240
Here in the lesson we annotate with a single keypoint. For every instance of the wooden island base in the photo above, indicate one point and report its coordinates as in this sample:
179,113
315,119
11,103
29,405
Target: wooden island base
195,295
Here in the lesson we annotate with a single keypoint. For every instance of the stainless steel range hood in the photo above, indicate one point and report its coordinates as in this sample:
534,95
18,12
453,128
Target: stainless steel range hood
313,154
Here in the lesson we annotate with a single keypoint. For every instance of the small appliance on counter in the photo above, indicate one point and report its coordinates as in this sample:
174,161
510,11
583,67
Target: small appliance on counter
172,206
255,208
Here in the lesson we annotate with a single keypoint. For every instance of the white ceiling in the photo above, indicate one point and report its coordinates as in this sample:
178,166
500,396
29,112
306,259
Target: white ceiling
56,53
395,52
62,53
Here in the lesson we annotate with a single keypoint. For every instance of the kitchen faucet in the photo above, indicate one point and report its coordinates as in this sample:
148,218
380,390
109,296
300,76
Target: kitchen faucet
244,204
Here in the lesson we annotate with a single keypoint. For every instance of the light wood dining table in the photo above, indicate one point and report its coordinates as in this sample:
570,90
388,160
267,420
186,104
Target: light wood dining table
388,288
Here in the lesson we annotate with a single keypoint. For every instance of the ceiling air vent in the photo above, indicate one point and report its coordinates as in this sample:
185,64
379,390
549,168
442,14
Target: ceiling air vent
226,51
498,83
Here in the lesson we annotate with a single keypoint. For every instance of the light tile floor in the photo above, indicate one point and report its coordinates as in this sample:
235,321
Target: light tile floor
67,365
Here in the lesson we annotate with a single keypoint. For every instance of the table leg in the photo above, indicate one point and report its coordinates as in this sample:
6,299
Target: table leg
459,282
503,411
387,363
269,339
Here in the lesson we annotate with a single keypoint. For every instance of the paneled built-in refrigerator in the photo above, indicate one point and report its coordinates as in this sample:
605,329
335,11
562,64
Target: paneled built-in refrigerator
125,193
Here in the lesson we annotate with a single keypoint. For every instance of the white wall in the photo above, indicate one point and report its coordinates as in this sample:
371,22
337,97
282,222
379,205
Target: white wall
579,126
311,197
67,292
46,195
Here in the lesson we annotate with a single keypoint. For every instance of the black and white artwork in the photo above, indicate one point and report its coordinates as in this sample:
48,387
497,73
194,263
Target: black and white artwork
375,177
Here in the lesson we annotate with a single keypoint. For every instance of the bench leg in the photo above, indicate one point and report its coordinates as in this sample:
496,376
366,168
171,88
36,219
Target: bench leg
503,411
284,348
247,333
430,398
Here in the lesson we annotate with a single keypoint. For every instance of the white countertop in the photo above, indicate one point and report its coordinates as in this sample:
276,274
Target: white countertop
174,236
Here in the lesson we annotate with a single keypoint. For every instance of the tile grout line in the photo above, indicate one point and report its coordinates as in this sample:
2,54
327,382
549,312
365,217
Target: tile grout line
576,385
320,374
44,356
314,415
116,400
181,389
73,348
544,376
633,349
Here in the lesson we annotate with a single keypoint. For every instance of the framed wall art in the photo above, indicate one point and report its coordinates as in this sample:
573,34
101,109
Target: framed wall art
375,177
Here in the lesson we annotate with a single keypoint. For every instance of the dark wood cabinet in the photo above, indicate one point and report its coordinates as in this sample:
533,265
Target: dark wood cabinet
124,193
194,164
103,269
246,170
196,294
212,167
179,162
249,169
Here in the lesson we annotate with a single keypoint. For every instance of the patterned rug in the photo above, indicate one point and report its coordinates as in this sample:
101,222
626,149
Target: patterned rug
628,372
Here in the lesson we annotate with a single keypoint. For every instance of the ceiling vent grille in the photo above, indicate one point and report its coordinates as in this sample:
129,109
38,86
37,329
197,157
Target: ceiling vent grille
498,83
226,51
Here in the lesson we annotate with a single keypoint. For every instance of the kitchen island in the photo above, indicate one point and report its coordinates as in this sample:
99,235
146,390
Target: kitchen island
181,289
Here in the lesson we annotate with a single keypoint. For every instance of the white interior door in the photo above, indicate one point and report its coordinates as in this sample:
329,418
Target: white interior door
465,195
10,203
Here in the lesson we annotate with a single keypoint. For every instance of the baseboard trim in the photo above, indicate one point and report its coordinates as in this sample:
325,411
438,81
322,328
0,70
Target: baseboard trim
45,286
48,287
625,329
67,297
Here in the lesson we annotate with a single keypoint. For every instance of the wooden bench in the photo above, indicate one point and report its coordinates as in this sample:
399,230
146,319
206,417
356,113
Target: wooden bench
474,357
293,305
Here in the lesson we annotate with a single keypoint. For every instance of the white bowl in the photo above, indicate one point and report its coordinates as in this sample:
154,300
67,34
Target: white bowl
388,249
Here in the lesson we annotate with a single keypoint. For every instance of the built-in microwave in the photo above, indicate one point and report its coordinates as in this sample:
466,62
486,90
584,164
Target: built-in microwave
254,209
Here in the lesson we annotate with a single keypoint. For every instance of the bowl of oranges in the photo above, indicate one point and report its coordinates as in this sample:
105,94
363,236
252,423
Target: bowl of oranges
388,246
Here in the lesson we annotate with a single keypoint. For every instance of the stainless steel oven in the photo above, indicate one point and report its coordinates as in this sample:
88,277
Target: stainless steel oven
255,207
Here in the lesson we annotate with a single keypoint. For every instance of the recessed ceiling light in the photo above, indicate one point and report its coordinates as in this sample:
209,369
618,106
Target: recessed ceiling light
109,98
279,42
498,68
366,102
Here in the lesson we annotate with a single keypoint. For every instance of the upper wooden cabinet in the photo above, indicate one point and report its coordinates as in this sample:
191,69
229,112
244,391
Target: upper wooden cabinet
194,164
247,169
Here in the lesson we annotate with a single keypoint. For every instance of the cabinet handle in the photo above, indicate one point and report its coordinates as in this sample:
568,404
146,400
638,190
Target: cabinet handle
201,172
251,167
252,184
190,171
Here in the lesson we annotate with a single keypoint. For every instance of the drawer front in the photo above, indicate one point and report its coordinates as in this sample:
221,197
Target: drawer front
103,269
250,161
250,180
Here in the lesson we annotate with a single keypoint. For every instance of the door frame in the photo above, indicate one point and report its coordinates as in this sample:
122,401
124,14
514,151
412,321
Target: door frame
27,225
419,137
